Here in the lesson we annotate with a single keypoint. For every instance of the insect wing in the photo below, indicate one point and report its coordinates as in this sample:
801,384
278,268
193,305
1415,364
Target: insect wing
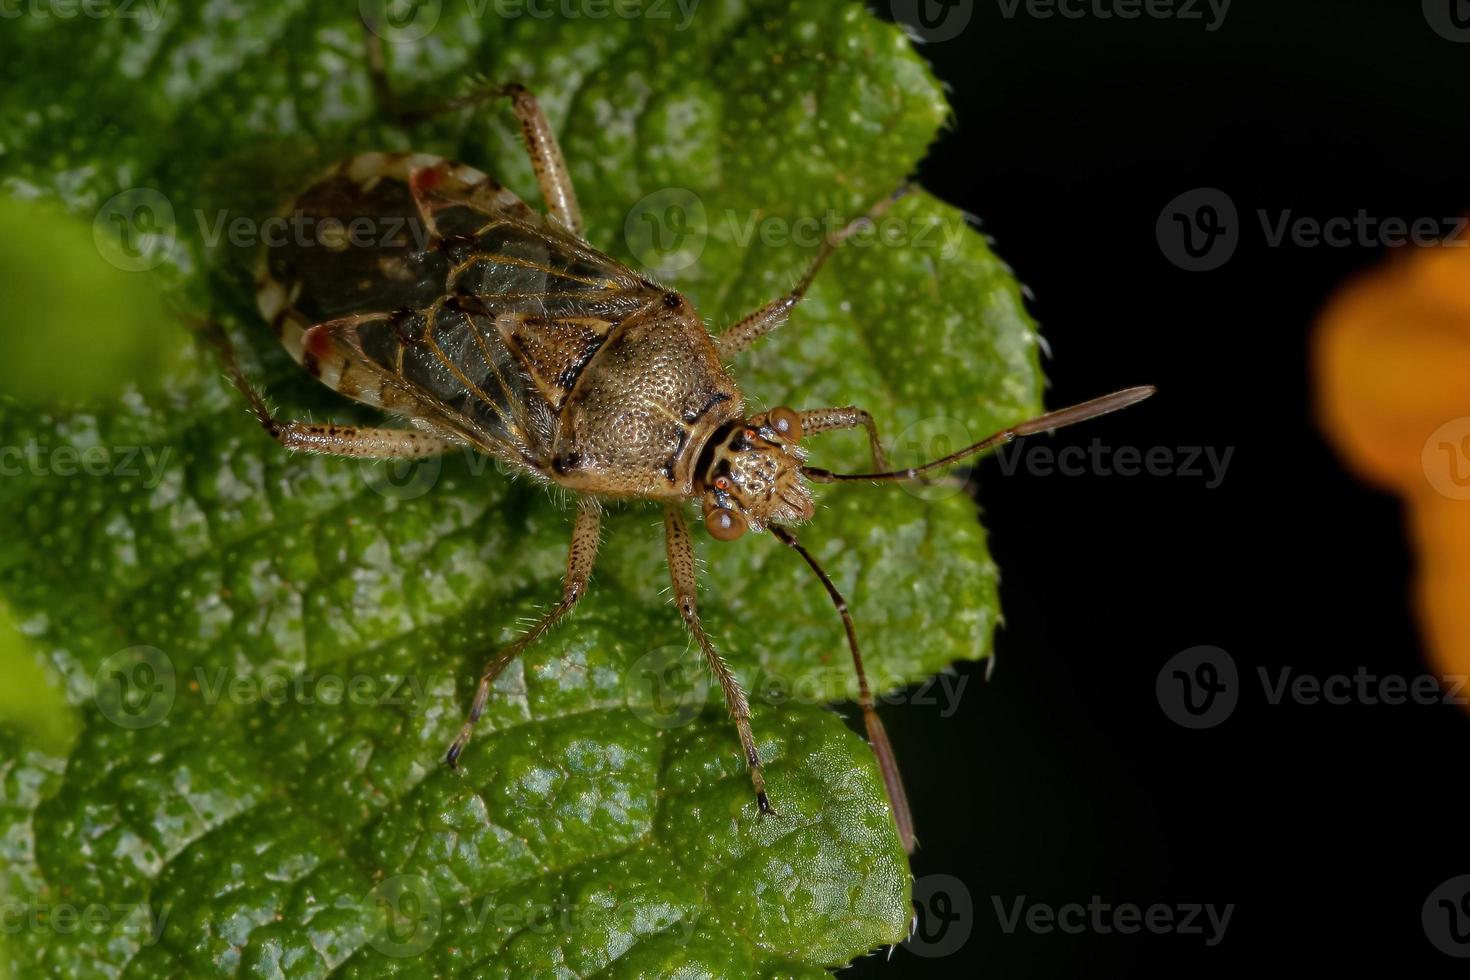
420,285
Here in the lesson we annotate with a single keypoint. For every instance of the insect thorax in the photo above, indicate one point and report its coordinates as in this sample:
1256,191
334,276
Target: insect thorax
644,408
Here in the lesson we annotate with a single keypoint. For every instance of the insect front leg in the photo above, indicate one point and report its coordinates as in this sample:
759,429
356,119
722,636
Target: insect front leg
682,569
580,559
746,331
829,419
360,442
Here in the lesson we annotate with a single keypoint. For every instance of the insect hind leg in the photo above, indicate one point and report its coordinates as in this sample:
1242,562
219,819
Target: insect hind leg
580,558
358,442
540,142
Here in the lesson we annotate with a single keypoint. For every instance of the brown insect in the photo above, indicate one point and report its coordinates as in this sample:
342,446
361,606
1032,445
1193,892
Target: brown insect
490,326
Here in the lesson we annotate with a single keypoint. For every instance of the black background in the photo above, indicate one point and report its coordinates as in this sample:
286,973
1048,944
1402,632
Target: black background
1061,778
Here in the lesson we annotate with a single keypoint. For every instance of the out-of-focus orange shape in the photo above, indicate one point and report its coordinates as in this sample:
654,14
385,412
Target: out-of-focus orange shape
1393,393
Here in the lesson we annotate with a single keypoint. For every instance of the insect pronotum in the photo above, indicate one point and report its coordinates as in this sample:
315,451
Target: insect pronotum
488,325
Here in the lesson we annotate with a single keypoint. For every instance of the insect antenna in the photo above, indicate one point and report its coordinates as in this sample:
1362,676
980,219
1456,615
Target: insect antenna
877,734
1051,420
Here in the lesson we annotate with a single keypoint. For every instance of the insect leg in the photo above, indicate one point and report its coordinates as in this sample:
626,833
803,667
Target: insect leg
877,735
580,559
541,146
746,331
540,142
546,158
682,570
311,437
828,419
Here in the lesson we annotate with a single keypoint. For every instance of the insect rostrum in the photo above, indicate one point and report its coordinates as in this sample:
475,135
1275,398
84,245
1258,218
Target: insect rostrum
490,326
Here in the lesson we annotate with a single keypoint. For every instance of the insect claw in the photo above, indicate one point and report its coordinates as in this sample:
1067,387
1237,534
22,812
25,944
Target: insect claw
452,756
763,804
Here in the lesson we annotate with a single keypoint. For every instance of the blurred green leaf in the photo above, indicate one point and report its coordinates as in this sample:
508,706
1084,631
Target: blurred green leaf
74,327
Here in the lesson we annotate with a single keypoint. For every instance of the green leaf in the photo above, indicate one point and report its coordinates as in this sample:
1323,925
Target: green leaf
65,301
268,655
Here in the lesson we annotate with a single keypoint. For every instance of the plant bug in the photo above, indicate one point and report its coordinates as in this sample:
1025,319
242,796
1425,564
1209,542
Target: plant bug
487,325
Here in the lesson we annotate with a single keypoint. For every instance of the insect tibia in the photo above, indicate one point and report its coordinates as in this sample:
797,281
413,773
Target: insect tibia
898,797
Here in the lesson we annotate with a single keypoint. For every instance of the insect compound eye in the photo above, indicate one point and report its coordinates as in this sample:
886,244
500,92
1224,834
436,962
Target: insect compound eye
786,422
723,524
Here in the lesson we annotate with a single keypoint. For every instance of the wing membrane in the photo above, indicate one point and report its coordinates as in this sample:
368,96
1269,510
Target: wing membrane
420,285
